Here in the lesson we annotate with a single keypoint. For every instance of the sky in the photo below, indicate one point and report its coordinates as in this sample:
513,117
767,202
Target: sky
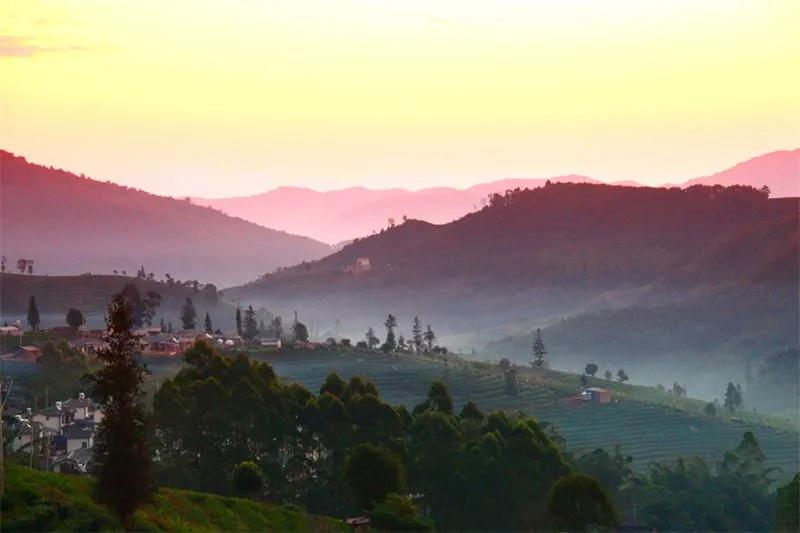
240,96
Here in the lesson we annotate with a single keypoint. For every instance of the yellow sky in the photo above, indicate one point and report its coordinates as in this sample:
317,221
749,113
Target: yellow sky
233,97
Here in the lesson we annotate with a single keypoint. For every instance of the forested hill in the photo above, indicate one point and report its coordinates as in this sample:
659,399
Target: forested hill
71,224
576,235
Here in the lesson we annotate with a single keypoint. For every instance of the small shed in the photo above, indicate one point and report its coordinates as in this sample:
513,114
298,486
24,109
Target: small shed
596,395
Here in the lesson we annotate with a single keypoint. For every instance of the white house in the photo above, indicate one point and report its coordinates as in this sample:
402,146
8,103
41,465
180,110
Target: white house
14,330
53,417
83,407
271,343
79,435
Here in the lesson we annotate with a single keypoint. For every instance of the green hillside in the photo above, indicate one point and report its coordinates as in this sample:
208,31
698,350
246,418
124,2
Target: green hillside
44,501
650,425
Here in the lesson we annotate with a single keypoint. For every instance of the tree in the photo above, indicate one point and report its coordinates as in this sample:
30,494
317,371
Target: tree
247,479
429,337
207,326
390,344
131,293
622,377
510,379
710,409
372,340
74,319
3,261
30,266
577,502
33,314
539,351
787,509
239,321
163,326
416,334
372,472
250,324
733,398
123,477
591,369
277,327
608,375
398,513
22,264
151,302
188,314
584,381
300,332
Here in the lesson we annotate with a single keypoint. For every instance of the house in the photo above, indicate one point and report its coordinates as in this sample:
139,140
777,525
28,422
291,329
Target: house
77,462
82,406
79,435
88,346
54,416
271,343
29,353
362,264
596,395
30,431
14,330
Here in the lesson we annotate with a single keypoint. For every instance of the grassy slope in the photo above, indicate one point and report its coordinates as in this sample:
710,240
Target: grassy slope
44,501
650,425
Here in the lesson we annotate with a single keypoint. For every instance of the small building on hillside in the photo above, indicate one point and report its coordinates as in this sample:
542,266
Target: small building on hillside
79,435
14,330
596,395
28,353
271,343
77,462
54,417
88,346
362,264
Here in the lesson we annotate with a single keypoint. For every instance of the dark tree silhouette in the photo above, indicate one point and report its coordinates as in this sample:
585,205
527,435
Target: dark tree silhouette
239,321
188,314
33,314
591,369
207,326
75,319
121,452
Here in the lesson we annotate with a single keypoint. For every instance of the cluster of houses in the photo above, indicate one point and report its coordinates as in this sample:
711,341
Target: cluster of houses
59,437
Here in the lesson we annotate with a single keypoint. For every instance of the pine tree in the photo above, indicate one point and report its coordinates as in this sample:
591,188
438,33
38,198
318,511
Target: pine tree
33,314
207,324
121,453
188,314
416,334
239,321
429,337
163,326
733,398
372,340
250,324
539,351
390,324
169,327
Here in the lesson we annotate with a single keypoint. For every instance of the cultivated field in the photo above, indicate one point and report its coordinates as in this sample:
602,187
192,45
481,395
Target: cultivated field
648,432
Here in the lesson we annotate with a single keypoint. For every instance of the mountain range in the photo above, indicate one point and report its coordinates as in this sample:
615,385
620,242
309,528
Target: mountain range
355,212
70,224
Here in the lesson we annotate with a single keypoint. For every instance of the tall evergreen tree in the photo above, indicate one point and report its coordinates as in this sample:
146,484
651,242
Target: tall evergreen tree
390,324
250,324
33,314
429,337
121,453
238,321
188,314
733,398
207,326
416,334
372,340
539,351
163,326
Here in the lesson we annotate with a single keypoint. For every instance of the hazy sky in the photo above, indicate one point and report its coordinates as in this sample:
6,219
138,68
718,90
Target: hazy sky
235,97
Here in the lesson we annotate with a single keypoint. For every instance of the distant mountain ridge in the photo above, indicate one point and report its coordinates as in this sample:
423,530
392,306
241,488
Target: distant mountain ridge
71,224
356,212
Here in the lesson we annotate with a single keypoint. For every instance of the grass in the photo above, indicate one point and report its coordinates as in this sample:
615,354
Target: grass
650,425
46,501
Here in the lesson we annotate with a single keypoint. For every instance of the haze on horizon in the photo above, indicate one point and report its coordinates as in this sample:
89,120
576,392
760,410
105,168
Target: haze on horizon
211,99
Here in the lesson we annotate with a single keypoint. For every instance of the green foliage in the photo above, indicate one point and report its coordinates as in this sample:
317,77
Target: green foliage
577,503
300,332
733,397
250,324
74,318
398,513
45,501
208,327
372,472
247,479
121,450
787,506
61,370
188,314
591,369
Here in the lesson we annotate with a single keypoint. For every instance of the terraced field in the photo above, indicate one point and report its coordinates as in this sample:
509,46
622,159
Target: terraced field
647,432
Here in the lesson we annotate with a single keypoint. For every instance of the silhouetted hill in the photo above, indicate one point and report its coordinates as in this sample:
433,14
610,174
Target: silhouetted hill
356,212
533,257
92,293
70,224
